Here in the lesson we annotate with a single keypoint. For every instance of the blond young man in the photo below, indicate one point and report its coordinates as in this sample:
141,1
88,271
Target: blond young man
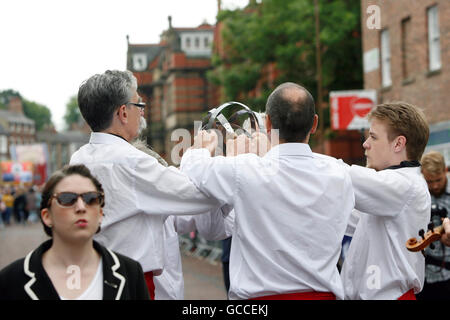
437,259
394,204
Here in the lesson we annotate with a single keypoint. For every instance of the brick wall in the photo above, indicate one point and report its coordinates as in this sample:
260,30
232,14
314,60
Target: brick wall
408,30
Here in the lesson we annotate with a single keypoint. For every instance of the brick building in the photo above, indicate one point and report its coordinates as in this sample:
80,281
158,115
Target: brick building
172,80
408,58
15,128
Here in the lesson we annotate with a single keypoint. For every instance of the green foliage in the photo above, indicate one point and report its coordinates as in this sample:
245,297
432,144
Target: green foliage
39,113
5,95
72,114
283,32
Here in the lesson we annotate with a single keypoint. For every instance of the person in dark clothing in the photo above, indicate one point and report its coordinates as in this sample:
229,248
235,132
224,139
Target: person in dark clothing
20,204
71,265
226,246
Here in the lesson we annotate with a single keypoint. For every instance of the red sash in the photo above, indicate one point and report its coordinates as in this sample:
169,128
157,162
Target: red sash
150,285
299,296
408,296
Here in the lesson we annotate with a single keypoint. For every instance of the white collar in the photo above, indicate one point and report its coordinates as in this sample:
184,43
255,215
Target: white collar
290,149
106,138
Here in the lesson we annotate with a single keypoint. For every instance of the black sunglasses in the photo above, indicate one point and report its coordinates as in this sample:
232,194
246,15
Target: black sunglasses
68,199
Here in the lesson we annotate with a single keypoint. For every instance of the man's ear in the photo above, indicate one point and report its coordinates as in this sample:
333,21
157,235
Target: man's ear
400,143
268,124
122,112
315,123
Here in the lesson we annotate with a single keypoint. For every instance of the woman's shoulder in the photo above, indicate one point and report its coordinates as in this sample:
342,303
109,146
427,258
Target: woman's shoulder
13,269
12,277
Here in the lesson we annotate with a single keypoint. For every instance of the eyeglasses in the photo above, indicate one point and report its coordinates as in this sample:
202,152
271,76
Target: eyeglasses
138,104
68,199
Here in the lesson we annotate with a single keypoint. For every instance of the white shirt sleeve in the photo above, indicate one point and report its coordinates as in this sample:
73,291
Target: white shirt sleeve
212,226
352,222
216,177
381,193
167,191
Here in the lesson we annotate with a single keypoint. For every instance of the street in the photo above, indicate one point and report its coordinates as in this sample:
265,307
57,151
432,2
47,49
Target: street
202,280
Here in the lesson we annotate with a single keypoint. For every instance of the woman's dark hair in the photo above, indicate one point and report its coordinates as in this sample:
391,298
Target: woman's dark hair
56,178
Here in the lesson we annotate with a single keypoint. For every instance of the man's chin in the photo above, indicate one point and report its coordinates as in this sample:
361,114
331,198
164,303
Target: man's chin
437,194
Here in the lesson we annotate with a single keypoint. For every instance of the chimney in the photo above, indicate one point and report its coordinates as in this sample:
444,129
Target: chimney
170,22
15,105
219,6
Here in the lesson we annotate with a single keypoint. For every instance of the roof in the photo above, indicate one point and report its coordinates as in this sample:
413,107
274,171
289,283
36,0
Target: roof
15,117
202,27
63,137
150,50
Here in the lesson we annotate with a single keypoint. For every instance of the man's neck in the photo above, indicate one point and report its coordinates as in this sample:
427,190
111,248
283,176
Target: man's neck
118,133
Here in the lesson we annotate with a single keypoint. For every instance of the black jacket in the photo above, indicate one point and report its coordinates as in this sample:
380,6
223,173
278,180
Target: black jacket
26,279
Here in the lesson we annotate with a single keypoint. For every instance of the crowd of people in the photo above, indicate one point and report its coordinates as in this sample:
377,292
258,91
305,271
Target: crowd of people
20,203
116,211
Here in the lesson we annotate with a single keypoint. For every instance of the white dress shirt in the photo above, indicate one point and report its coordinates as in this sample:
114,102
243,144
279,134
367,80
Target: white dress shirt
139,195
169,285
394,205
291,210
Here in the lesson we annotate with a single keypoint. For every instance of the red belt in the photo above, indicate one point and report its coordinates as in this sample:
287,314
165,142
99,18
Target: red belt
408,296
150,284
299,296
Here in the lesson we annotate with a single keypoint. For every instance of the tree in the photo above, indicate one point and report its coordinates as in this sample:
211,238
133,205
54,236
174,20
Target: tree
38,112
41,115
5,95
282,32
72,114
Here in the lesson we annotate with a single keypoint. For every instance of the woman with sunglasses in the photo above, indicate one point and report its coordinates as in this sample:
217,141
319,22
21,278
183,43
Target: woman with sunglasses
71,265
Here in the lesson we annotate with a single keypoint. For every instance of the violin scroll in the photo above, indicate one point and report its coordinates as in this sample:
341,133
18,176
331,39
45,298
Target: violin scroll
433,234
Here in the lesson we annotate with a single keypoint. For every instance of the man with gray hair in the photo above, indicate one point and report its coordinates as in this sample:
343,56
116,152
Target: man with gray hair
141,193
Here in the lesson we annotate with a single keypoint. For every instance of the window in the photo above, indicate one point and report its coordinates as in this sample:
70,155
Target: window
188,42
434,47
197,42
406,48
386,80
206,42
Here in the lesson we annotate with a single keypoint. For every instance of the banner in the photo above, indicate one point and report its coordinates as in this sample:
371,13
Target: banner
17,172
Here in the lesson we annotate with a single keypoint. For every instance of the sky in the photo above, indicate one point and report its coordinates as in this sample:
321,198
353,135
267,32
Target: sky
49,47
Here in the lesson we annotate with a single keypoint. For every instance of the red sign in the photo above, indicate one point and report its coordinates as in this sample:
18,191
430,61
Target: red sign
350,108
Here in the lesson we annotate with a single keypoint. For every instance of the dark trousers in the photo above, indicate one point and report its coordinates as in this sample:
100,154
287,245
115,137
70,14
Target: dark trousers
226,275
6,215
435,291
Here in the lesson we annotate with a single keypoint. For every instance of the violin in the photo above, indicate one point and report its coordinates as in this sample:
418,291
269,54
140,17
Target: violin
433,234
